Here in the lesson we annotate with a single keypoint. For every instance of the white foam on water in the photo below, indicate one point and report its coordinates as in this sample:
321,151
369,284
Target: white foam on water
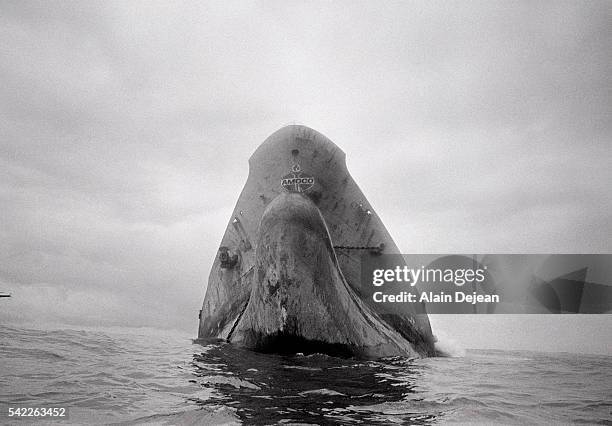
446,346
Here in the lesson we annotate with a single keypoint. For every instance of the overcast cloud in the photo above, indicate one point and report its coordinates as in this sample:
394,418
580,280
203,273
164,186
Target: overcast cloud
125,130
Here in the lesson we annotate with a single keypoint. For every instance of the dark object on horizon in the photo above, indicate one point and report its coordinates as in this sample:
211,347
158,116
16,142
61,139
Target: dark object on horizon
5,295
287,275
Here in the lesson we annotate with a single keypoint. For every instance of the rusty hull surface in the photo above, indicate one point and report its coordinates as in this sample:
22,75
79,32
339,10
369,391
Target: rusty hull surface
289,289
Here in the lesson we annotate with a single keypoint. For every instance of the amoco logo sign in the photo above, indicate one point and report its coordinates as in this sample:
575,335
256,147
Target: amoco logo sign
297,181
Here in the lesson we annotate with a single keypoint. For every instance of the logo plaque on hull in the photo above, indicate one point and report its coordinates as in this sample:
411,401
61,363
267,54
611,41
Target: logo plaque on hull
297,181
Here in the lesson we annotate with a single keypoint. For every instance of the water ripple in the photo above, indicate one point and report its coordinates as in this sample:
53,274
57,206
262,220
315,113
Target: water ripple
128,376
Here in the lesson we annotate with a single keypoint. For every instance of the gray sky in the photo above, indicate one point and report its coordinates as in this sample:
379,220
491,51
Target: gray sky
125,130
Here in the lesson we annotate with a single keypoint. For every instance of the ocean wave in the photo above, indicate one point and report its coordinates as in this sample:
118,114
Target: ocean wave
129,376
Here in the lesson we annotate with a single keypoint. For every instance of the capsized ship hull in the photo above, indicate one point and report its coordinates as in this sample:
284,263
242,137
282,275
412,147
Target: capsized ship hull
287,277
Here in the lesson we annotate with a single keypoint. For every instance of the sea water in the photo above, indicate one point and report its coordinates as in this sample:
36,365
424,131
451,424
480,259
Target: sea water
148,376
